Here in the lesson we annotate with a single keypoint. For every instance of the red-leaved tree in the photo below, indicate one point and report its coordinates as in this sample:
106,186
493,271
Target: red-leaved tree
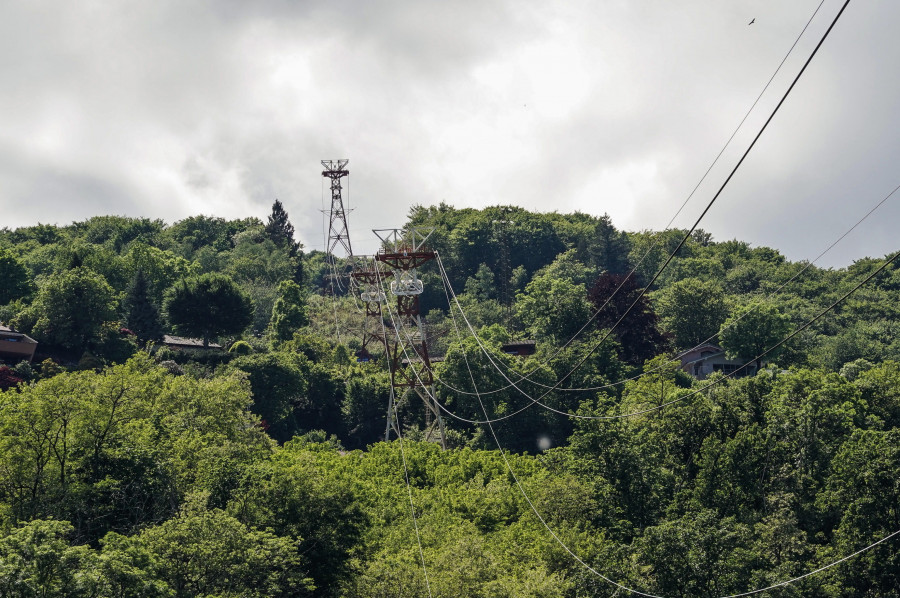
638,332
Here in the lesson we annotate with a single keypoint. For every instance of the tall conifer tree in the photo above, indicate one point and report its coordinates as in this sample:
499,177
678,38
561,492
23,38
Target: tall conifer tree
142,315
280,229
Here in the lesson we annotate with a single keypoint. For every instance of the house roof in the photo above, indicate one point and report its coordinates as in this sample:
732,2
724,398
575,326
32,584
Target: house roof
181,341
696,354
525,347
525,343
7,333
704,347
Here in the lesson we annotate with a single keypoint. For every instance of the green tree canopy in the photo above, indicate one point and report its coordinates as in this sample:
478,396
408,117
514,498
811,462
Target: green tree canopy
14,279
553,308
554,304
752,330
208,306
481,286
70,309
209,553
289,312
142,315
692,310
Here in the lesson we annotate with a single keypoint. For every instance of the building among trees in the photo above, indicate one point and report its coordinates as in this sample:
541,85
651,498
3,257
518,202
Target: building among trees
702,361
15,346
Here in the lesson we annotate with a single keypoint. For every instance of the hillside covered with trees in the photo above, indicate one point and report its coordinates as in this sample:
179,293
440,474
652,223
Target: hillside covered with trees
129,468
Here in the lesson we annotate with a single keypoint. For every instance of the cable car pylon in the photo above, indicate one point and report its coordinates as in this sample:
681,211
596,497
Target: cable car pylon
338,231
403,251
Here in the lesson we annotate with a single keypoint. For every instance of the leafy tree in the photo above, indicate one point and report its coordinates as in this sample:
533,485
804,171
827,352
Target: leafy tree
257,261
114,344
525,431
208,306
43,234
300,494
127,569
554,305
365,406
70,309
552,308
612,297
118,231
481,286
142,316
608,247
14,277
114,451
162,268
36,560
279,382
649,251
567,266
313,346
195,232
289,312
753,329
518,280
209,553
698,555
99,258
864,492
692,310
241,348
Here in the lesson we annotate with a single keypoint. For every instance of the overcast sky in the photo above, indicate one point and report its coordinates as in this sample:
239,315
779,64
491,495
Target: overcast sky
167,109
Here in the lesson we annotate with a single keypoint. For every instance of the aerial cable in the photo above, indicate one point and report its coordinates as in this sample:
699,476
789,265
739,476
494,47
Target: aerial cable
657,368
695,392
565,547
581,561
656,243
337,328
708,206
412,506
528,499
683,240
715,197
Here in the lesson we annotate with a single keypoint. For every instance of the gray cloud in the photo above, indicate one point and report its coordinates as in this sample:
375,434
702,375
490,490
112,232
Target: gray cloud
169,109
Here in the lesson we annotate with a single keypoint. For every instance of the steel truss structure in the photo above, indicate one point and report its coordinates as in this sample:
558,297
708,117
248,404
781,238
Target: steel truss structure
338,232
403,252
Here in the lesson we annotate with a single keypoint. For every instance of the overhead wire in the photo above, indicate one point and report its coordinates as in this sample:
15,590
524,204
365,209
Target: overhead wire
687,235
676,359
584,359
412,506
448,291
605,578
489,422
562,544
657,242
337,327
695,392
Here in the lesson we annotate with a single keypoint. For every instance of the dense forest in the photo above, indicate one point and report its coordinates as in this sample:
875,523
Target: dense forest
254,464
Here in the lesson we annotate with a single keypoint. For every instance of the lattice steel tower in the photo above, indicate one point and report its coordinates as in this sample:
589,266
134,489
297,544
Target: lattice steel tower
338,233
403,252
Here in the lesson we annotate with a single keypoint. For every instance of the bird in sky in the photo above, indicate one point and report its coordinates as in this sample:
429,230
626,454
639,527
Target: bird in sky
753,21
